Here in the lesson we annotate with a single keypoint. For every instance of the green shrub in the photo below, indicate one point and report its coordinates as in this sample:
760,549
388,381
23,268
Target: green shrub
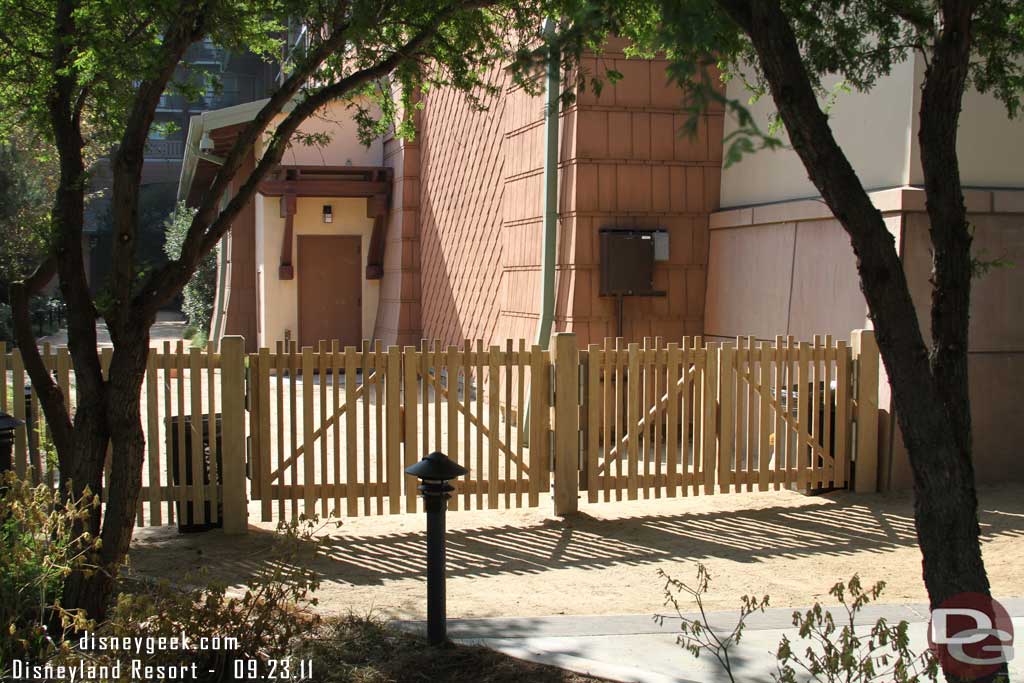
198,294
41,547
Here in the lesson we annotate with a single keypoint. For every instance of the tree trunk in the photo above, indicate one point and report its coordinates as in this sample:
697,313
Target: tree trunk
121,414
930,394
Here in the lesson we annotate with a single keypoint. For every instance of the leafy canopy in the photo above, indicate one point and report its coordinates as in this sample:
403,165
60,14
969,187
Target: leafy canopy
858,42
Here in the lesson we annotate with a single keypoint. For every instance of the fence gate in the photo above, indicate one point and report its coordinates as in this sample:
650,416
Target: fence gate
692,416
333,429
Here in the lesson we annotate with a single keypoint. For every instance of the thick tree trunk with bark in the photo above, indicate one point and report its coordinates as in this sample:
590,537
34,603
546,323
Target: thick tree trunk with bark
930,388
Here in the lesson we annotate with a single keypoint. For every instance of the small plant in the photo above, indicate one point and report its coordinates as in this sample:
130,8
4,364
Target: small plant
42,545
836,652
696,634
842,654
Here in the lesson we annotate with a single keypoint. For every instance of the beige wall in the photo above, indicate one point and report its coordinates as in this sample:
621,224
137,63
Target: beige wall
874,128
789,269
878,131
343,147
279,298
989,144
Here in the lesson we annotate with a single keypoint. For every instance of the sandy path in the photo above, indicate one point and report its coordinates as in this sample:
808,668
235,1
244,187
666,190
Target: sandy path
605,561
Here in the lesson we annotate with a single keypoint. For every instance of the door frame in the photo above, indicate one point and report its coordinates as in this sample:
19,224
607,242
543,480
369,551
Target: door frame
298,298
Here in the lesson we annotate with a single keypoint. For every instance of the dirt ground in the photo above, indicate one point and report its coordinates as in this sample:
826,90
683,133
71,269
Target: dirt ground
605,560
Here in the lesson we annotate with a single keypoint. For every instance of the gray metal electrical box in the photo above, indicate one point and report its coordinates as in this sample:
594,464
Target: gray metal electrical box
661,245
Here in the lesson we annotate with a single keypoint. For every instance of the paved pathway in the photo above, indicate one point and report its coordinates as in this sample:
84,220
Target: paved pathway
169,326
635,648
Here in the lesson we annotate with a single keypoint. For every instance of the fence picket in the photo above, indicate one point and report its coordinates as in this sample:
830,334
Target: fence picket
309,455
411,367
351,436
394,429
263,389
152,440
453,364
728,362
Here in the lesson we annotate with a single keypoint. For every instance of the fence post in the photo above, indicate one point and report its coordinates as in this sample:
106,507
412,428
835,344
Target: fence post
232,475
567,424
865,363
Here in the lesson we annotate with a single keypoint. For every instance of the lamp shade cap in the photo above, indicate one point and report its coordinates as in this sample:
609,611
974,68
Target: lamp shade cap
7,422
436,467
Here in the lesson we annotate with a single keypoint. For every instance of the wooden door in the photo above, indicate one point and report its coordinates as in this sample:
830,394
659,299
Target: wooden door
330,289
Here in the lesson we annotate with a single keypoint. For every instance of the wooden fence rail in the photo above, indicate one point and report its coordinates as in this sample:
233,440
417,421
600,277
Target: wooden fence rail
330,430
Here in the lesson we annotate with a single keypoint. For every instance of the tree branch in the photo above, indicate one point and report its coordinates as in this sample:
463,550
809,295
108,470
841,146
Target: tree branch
206,229
130,156
883,280
51,398
69,206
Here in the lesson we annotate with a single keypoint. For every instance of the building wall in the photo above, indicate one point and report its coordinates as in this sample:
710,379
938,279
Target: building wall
398,315
240,318
460,215
279,298
622,163
996,343
789,269
631,166
878,131
342,147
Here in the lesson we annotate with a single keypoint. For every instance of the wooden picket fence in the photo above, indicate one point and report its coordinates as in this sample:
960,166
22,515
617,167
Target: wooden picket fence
204,386
330,430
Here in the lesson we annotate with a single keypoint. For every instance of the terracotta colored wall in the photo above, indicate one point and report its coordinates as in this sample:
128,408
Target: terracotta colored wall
631,167
241,309
460,209
621,164
398,315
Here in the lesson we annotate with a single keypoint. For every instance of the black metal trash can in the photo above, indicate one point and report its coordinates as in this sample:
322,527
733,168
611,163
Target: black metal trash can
789,398
186,520
7,426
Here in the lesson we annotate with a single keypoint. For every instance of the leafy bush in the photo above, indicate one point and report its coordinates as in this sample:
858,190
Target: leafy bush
835,652
41,548
198,294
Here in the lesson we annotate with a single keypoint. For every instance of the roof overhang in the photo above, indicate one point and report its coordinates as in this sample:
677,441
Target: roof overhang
195,161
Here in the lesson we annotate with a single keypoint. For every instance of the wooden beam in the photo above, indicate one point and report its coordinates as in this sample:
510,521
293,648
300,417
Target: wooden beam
286,270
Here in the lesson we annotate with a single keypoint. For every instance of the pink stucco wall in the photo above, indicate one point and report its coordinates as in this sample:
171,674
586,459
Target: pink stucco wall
789,269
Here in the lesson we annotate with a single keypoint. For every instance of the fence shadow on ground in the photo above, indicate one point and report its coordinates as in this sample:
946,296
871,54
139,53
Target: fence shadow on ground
838,524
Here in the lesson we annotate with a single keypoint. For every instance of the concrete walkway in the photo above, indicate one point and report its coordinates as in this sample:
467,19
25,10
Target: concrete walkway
636,648
169,326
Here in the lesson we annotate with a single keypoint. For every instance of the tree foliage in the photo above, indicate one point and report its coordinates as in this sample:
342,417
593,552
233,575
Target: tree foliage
198,294
89,74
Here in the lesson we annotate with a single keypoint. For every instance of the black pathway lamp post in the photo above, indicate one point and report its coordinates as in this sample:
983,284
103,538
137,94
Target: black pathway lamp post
434,471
